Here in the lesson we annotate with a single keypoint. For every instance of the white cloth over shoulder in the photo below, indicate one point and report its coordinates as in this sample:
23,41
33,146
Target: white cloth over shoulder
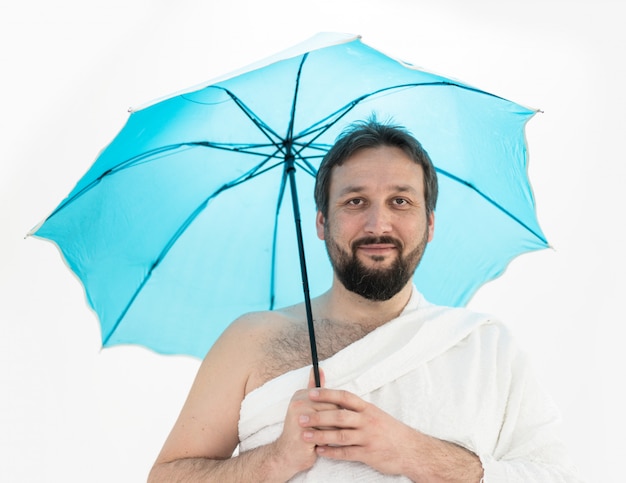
446,372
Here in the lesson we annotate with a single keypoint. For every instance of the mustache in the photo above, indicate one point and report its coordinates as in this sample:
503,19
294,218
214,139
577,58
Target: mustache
377,240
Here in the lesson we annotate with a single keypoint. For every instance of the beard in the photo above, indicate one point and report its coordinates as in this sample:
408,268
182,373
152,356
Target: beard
376,284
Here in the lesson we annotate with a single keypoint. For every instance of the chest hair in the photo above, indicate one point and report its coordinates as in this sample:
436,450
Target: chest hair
289,348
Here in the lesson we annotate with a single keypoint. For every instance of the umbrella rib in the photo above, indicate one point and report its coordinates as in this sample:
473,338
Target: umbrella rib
142,158
177,234
128,163
493,202
241,148
292,116
265,129
303,161
306,166
158,261
281,194
322,126
319,128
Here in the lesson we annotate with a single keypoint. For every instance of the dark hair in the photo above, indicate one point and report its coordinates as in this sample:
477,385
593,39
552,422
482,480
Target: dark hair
372,134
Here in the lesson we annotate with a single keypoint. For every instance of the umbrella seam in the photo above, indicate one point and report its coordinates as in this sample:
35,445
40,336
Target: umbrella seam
492,201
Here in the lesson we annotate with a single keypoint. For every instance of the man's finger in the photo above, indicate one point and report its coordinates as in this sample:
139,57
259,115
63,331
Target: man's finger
335,418
342,399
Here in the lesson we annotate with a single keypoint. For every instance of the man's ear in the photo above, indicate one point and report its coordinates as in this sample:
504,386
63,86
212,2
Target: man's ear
319,225
431,226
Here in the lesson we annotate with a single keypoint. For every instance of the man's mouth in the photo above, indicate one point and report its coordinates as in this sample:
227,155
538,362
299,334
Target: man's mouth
376,243
377,248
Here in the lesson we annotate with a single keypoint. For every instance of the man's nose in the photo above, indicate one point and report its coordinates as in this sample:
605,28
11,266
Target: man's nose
378,221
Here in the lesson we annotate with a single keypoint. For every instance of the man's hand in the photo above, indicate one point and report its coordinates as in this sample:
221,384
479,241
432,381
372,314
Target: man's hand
355,430
292,449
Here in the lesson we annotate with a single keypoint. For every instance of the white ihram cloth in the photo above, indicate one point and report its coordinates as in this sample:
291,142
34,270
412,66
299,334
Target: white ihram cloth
446,372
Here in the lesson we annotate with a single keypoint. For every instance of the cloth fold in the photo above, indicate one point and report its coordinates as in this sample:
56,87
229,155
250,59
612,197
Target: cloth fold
447,372
367,364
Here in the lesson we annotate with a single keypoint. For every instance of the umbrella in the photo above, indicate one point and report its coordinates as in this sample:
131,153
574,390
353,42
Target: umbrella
184,220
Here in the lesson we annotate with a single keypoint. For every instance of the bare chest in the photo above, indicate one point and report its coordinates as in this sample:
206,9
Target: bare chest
289,347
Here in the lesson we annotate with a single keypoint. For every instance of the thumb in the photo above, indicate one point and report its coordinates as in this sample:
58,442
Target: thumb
312,378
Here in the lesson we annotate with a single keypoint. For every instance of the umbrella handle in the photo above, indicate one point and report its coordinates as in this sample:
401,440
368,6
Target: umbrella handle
291,172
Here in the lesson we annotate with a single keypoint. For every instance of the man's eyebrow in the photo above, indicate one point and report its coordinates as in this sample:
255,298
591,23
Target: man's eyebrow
401,188
351,189
405,187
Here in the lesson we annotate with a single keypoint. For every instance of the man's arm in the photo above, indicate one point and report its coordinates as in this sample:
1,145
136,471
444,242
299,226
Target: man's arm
277,461
204,437
259,463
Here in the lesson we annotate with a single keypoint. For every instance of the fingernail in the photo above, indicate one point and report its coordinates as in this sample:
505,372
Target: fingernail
314,393
307,435
304,418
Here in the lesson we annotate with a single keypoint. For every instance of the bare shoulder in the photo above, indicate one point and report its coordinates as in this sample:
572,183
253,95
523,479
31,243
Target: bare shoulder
254,340
241,344
253,330
260,323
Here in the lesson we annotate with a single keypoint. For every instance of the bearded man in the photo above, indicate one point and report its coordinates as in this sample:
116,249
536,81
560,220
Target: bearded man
410,390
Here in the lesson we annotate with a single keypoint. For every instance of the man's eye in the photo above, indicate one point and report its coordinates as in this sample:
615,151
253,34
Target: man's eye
355,202
399,201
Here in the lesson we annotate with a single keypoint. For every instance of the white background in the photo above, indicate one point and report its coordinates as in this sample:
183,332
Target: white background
70,69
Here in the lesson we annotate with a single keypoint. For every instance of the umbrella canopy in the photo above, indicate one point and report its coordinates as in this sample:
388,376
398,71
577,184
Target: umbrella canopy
184,221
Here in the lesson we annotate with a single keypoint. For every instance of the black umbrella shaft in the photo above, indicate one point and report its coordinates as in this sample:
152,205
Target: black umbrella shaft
291,172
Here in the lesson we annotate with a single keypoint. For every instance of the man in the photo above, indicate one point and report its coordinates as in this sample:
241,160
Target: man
411,390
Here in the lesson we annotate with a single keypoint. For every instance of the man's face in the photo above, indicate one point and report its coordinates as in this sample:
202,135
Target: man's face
377,229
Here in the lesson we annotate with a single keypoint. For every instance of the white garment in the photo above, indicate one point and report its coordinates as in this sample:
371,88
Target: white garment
446,372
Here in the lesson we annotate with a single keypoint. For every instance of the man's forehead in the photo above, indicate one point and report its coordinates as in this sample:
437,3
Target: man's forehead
385,166
380,156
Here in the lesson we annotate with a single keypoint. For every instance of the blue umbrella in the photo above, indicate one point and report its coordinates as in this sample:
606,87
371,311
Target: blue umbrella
186,220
